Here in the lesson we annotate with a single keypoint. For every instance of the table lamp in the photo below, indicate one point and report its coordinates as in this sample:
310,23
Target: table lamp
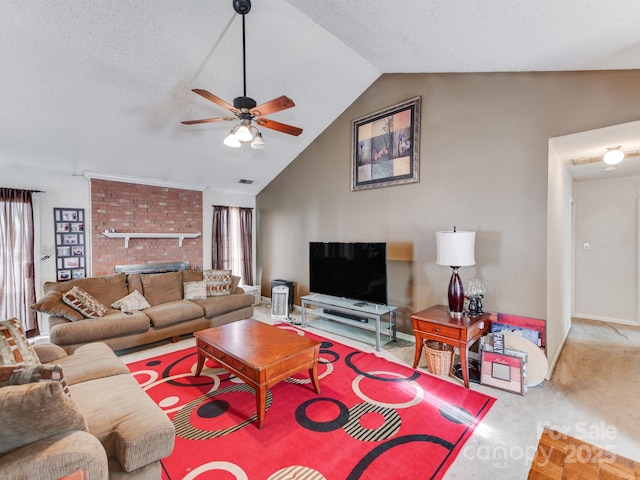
455,249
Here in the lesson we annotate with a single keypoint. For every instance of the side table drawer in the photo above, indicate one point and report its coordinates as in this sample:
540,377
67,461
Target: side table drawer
435,329
479,328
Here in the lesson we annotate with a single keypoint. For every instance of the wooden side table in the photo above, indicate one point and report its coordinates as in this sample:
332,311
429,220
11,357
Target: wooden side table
435,323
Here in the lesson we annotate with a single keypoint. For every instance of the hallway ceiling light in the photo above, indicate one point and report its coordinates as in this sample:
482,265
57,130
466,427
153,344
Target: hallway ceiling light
613,156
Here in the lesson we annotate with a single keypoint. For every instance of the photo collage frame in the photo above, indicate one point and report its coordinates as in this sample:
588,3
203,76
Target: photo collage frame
69,227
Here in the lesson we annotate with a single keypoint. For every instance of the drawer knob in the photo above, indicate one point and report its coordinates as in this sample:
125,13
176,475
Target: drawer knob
481,324
437,329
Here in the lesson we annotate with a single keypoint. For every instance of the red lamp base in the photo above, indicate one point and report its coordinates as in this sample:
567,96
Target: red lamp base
456,294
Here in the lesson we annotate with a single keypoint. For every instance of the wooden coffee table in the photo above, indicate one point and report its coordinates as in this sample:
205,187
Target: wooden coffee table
259,354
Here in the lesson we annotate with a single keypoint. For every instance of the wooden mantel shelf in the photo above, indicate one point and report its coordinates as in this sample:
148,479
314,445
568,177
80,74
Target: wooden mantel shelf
127,236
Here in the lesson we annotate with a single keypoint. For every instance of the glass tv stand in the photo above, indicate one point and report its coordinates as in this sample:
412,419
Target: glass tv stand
368,316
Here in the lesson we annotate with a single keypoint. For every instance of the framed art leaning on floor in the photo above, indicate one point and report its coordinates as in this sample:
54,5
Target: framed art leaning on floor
386,147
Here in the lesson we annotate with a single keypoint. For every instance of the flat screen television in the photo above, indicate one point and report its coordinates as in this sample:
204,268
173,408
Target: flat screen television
355,270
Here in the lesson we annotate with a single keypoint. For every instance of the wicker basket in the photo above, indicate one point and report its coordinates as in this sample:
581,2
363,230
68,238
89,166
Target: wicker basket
439,357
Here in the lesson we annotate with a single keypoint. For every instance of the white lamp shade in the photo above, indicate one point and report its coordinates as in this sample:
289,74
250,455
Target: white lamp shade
232,141
258,142
243,133
455,249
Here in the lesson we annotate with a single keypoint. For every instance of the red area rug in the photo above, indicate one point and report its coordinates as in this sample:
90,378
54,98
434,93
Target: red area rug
373,419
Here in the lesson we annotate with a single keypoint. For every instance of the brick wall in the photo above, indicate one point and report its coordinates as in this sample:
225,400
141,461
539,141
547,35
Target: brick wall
128,207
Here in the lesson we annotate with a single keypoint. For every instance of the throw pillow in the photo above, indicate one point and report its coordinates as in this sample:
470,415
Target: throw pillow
22,374
195,290
218,282
133,301
52,304
86,304
50,411
162,287
15,349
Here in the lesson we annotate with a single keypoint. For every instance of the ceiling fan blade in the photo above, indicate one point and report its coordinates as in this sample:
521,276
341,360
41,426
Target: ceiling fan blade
209,120
280,127
217,100
281,103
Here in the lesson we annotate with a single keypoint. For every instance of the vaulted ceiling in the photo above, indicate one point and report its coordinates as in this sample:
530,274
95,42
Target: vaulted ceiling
100,88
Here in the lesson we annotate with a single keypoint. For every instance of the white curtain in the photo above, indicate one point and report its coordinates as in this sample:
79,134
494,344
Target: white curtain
232,241
17,282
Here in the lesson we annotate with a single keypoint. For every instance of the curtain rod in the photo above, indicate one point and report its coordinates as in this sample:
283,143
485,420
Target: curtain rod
25,190
230,206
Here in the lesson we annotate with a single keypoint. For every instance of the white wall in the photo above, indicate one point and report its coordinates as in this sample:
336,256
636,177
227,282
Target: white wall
606,275
559,254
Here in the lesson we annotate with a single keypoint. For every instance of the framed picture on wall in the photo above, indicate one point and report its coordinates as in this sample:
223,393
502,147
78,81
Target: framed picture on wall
386,147
69,234
64,275
70,215
70,239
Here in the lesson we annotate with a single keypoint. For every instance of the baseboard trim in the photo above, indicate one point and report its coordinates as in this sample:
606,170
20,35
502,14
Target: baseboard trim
599,318
552,364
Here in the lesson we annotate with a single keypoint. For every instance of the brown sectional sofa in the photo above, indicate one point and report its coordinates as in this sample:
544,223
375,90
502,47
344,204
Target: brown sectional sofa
168,317
104,423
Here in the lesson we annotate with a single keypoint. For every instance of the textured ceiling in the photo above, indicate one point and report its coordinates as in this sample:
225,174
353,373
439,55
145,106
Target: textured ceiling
102,87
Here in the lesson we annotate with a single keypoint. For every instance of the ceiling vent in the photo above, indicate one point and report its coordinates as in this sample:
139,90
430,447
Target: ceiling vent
245,181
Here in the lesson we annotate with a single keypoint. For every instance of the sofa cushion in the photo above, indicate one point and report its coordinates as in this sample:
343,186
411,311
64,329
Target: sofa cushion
15,349
162,287
169,313
134,282
218,282
47,407
123,417
91,361
84,302
114,324
52,304
191,276
21,374
57,456
195,290
133,301
107,288
214,306
49,352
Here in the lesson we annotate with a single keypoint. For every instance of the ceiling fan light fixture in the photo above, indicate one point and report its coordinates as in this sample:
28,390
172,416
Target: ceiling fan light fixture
258,142
243,133
613,156
231,140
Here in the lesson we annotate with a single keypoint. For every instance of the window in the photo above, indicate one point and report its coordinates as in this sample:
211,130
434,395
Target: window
232,242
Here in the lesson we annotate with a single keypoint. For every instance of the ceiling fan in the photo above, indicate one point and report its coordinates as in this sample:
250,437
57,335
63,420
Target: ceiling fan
245,108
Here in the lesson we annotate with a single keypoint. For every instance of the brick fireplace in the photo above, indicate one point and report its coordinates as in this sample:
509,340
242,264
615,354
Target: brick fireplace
133,208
